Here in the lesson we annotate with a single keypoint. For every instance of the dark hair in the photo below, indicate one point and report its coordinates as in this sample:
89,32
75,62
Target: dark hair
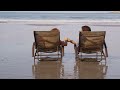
55,29
86,28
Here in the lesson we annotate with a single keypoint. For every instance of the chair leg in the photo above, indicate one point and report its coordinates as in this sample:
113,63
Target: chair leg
101,55
96,55
35,56
58,52
62,51
39,56
34,60
104,54
76,51
33,47
81,54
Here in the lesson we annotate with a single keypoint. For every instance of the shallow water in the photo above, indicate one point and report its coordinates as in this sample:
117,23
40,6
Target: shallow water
16,61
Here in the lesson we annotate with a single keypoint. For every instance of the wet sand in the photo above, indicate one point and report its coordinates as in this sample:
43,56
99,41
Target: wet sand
16,61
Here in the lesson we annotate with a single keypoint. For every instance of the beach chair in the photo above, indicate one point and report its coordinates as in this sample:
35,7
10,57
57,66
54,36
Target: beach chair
91,42
48,69
47,43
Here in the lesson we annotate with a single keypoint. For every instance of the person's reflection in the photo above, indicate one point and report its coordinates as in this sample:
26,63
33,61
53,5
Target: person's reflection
48,69
90,70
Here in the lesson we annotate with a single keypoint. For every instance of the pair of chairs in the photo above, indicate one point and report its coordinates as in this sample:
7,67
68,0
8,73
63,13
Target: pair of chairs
47,42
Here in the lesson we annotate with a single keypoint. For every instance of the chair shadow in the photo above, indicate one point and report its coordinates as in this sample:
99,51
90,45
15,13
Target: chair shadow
90,69
48,68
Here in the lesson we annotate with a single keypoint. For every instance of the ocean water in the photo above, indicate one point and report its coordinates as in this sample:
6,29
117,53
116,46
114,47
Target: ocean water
60,16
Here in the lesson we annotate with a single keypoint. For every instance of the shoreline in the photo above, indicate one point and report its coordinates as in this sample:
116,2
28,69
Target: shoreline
109,24
61,22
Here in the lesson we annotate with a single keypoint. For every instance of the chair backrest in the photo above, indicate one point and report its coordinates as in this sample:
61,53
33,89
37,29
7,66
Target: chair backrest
91,40
47,40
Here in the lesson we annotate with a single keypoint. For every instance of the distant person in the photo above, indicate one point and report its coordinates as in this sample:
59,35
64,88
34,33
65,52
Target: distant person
63,43
84,28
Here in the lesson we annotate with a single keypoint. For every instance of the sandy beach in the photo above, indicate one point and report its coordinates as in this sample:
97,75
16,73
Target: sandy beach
16,61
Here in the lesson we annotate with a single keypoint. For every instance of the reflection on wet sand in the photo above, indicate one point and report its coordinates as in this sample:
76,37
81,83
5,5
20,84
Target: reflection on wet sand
48,69
90,70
